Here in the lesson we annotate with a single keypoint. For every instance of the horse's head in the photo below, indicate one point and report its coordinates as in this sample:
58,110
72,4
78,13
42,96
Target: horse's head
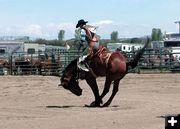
68,79
71,85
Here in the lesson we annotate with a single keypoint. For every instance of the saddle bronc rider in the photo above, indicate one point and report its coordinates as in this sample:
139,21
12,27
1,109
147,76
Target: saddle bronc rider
92,41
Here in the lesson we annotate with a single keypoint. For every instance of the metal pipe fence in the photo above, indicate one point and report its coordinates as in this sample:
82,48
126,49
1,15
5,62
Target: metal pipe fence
53,63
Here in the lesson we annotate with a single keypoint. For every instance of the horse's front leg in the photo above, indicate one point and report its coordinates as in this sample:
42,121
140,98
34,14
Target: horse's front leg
93,84
115,90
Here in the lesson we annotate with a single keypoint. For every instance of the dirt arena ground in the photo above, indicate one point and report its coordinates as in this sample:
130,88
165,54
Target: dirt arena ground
36,102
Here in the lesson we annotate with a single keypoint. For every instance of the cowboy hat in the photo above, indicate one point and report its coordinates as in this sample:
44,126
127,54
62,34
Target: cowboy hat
81,22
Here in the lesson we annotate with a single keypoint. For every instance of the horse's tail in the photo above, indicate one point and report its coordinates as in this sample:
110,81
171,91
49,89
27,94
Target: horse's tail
133,63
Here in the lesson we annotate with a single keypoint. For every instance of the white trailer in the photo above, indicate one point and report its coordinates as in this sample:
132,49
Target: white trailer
56,51
41,48
113,46
126,47
51,48
174,47
10,47
176,52
31,48
157,44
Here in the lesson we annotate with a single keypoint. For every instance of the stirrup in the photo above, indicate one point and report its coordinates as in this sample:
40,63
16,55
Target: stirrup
82,58
83,66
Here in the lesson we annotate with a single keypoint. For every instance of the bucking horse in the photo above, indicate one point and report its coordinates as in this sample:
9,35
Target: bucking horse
111,65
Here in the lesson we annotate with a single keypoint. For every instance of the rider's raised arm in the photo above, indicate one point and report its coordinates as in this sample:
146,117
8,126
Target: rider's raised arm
88,32
90,35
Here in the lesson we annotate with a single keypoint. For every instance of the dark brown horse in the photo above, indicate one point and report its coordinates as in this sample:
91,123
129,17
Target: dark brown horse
114,70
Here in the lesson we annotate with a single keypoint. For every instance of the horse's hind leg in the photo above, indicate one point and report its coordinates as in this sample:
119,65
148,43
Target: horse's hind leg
106,87
115,90
93,84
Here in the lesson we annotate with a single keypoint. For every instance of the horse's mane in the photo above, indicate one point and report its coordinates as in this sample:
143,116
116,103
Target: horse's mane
69,67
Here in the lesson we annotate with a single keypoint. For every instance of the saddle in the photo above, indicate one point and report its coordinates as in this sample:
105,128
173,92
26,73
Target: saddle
104,57
100,53
103,54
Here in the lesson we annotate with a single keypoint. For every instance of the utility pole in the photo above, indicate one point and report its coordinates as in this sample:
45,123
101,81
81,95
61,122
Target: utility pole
178,22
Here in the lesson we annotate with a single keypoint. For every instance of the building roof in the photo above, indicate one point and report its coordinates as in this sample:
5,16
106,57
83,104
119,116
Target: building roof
11,42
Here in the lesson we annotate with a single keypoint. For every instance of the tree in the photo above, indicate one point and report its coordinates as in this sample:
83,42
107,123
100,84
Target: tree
136,40
156,34
77,34
114,36
159,34
41,41
61,35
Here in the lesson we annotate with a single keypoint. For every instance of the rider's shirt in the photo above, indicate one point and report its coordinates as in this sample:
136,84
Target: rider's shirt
83,35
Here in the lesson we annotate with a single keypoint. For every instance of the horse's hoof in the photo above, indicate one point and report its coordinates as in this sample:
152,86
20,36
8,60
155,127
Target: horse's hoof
106,105
101,102
88,105
93,104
